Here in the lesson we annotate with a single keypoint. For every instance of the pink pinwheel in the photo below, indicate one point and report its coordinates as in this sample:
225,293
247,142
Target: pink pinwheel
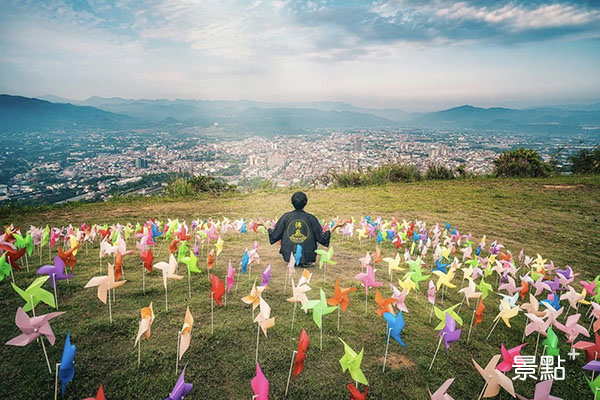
441,394
572,329
399,297
449,333
540,285
510,286
266,276
291,265
542,392
260,385
508,357
536,324
596,314
33,328
230,277
365,261
573,297
590,288
553,315
56,272
592,349
368,279
431,292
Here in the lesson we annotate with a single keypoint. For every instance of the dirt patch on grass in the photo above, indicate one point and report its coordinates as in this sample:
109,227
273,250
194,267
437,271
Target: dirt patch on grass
396,361
562,186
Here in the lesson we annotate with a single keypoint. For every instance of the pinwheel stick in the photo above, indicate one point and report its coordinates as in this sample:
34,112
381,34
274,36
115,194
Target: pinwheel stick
321,336
482,390
27,262
431,313
45,354
166,300
525,328
143,279
12,275
139,351
471,326
436,351
387,344
537,342
290,373
541,357
109,308
212,312
177,356
294,315
366,296
493,327
190,284
54,287
461,304
339,308
56,381
285,281
257,339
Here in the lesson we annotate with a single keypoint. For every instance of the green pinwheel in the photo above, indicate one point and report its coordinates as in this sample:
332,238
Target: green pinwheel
181,252
594,385
484,288
325,256
319,308
415,272
26,242
191,262
34,294
351,361
45,236
441,315
5,267
551,343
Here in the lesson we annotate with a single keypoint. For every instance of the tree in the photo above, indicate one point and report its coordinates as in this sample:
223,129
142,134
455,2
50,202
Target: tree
587,161
521,163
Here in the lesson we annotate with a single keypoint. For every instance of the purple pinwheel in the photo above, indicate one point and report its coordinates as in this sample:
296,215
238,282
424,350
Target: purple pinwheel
56,272
181,389
450,334
592,366
33,328
266,276
542,392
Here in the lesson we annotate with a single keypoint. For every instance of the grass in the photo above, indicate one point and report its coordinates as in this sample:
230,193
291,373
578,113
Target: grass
556,217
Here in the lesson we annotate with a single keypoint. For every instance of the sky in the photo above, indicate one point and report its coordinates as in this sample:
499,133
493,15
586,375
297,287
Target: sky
412,54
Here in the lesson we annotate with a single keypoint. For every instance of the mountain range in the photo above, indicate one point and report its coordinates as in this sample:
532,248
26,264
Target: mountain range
50,113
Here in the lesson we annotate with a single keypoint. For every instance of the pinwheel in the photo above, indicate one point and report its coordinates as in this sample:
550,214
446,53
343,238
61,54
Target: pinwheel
351,361
219,246
33,328
181,388
303,343
494,379
230,277
533,307
34,294
592,349
540,286
553,314
542,392
551,343
260,385
244,262
441,393
340,298
368,280
400,298
449,333
484,287
266,276
393,264
66,372
319,308
574,298
510,286
594,385
325,256
299,296
407,284
254,296
572,329
356,394
68,256
508,357
5,267
168,272
383,305
365,261
470,292
298,254
185,335
104,284
218,289
395,325
147,258
99,395
441,315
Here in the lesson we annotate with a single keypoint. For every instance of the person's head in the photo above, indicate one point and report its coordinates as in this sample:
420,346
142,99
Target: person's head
299,200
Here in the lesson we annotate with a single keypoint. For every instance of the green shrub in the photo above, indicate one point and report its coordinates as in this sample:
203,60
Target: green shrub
388,173
521,163
187,187
439,172
586,161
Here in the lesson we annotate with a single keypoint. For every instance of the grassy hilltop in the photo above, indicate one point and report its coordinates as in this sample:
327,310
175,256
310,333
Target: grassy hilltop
556,217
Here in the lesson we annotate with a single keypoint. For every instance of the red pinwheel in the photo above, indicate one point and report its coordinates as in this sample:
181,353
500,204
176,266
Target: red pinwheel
218,289
147,258
99,395
592,349
68,257
13,255
356,394
303,342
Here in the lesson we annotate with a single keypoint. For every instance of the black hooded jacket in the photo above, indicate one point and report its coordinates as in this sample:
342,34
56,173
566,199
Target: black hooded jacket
299,227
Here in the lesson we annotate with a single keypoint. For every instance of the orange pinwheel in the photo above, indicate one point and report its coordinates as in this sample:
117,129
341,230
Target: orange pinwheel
340,296
254,296
479,314
210,259
524,289
377,256
383,305
68,257
173,246
218,289
118,265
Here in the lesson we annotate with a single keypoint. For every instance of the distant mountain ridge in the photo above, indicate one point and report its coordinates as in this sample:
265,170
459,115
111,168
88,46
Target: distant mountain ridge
247,116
